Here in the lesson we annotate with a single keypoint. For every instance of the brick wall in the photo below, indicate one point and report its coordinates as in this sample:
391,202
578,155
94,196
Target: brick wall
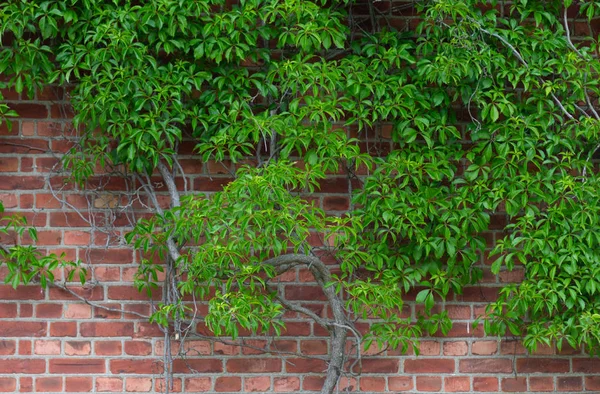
52,342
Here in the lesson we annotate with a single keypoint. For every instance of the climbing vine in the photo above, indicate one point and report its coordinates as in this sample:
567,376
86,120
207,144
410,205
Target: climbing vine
492,109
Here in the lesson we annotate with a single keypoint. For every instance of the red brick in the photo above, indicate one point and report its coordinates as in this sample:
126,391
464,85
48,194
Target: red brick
453,384
78,311
48,311
592,383
131,293
586,365
8,385
26,310
28,366
138,348
569,383
7,347
109,384
63,329
9,164
146,366
195,385
21,182
81,365
78,348
202,365
260,384
485,384
228,384
312,383
545,365
138,385
484,348
455,348
514,384
400,383
429,383
336,203
26,384
429,365
303,365
77,238
33,111
106,329
108,348
28,293
254,365
22,329
95,293
314,347
539,383
46,347
48,384
373,384
78,384
486,365
8,310
175,386
379,365
304,292
25,347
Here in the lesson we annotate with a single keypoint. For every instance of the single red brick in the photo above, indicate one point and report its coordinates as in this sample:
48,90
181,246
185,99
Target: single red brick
228,384
78,384
455,348
514,384
372,384
28,366
106,329
138,385
26,384
429,383
22,329
196,385
28,293
380,365
146,366
454,384
484,348
486,365
138,348
109,384
545,365
46,347
429,365
8,385
48,384
312,383
485,384
78,311
260,384
108,348
78,348
73,366
48,311
400,383
538,383
569,383
7,347
33,111
63,329
302,365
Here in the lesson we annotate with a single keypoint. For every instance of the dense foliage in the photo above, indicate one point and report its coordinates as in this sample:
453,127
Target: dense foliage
274,87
